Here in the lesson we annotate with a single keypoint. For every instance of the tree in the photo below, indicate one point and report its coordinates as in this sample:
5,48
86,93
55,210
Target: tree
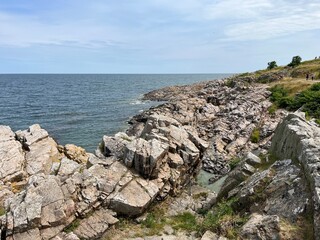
296,60
272,65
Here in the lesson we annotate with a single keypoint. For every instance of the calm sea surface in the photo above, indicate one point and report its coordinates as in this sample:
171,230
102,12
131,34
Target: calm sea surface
81,108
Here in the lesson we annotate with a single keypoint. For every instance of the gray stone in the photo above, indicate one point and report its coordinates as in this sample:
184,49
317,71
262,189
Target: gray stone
11,160
41,155
145,156
6,134
261,227
126,201
114,146
297,139
208,235
33,234
67,168
34,134
252,159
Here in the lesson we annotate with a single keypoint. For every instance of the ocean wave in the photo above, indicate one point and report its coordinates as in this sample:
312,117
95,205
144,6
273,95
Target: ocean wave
137,102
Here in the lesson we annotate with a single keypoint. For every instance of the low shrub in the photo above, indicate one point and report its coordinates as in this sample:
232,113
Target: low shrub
307,100
255,135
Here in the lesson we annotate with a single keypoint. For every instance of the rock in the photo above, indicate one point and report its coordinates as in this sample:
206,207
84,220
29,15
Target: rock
11,156
41,156
34,134
6,134
33,234
96,160
41,204
106,179
175,160
252,159
126,202
298,139
51,232
75,153
208,235
67,168
95,225
113,146
261,227
145,156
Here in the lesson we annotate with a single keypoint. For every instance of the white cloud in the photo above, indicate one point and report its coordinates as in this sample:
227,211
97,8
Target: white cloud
24,31
250,19
286,19
208,21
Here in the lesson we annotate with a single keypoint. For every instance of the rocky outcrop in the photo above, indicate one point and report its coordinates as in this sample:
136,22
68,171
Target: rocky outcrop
47,188
163,150
298,139
281,196
48,191
221,113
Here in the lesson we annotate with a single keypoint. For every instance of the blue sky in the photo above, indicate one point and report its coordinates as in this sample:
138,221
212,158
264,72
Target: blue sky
155,36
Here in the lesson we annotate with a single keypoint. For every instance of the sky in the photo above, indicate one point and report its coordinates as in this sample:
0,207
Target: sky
155,36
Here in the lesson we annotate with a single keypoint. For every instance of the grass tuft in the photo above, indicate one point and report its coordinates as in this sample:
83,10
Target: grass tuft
73,226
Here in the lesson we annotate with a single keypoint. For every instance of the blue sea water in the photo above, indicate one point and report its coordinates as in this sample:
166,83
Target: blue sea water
81,108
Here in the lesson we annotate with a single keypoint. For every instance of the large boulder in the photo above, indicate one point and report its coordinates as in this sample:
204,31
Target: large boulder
125,201
114,146
299,139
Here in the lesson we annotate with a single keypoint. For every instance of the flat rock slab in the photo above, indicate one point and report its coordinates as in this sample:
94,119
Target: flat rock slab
132,200
94,226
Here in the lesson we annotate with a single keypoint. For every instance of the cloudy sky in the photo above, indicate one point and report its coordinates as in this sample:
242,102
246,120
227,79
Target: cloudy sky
155,36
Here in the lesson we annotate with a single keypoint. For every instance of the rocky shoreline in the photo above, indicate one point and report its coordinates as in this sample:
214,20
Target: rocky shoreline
57,192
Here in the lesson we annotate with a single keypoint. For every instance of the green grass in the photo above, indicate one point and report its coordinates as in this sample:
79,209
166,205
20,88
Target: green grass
223,220
185,221
2,211
234,162
272,109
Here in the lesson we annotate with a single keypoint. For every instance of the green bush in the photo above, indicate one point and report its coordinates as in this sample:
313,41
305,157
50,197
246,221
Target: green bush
296,60
271,65
277,93
308,100
286,102
255,135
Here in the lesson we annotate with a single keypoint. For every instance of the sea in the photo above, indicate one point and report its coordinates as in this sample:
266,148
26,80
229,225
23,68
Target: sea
81,108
